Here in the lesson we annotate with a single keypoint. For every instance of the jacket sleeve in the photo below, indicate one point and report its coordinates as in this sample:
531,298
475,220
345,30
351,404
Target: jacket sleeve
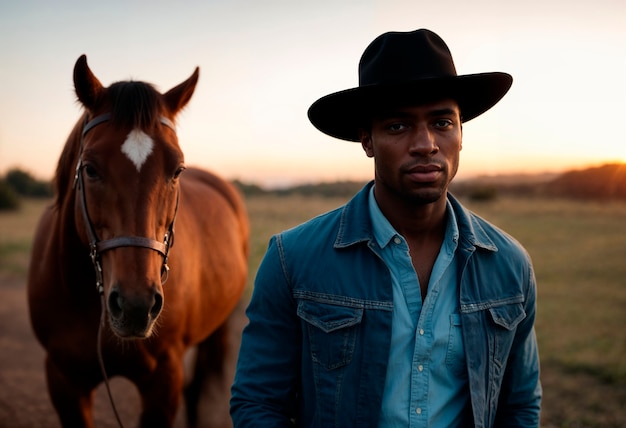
267,376
519,403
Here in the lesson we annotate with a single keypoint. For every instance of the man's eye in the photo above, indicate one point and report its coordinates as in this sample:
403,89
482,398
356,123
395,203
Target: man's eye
395,127
443,123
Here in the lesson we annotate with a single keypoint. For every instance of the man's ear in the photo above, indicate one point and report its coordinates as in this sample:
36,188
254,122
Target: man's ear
366,143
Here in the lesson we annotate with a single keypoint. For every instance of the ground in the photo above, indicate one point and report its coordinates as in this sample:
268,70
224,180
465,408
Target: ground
24,401
570,399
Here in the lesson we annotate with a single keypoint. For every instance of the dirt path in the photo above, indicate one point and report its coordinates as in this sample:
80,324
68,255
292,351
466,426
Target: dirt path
570,399
24,401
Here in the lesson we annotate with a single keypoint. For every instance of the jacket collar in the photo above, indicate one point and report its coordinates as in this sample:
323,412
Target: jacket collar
356,225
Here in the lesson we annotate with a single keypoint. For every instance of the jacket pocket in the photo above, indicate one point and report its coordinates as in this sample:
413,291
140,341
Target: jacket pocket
332,331
508,316
506,319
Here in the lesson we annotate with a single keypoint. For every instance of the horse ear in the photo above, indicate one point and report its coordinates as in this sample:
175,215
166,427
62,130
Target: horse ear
178,97
87,86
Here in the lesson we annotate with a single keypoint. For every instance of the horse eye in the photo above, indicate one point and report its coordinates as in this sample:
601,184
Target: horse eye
90,171
179,171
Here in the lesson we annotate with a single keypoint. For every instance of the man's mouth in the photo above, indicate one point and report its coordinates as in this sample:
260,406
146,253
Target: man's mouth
424,173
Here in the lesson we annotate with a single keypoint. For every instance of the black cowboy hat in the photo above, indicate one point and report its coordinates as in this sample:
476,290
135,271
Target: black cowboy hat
405,67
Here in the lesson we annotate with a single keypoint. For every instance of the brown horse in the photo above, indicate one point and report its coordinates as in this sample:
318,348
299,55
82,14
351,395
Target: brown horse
107,246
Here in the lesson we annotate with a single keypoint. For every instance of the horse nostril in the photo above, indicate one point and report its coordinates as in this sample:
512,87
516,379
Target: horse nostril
115,303
158,304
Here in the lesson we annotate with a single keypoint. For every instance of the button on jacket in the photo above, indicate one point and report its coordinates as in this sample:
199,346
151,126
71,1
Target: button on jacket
315,351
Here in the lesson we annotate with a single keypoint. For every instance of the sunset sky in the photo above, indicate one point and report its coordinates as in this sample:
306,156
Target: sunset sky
262,64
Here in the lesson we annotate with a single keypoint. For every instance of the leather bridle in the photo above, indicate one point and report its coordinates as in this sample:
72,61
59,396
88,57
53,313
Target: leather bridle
97,246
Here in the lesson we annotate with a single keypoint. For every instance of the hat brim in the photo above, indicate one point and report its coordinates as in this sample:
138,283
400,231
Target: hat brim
343,114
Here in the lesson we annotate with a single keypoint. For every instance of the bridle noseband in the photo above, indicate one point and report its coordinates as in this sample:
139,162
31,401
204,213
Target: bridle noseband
97,247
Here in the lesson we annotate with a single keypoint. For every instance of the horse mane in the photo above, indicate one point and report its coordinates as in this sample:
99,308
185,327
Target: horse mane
132,104
67,163
135,105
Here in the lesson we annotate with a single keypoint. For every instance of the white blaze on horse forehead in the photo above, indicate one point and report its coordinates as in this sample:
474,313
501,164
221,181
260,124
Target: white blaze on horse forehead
137,147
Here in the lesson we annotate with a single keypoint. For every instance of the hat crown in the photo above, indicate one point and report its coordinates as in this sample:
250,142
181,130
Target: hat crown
405,68
400,57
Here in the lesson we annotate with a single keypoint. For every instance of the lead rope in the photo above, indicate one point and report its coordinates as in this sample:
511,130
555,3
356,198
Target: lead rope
101,362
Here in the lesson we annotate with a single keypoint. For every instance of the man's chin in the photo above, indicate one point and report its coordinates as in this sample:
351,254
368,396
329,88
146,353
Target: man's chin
426,196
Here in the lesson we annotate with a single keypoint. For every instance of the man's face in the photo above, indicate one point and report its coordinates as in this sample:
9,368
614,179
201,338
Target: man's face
415,150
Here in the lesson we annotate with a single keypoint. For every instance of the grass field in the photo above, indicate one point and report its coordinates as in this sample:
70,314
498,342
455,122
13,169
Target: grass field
579,253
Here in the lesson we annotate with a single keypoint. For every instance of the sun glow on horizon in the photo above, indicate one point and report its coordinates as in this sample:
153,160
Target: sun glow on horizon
261,67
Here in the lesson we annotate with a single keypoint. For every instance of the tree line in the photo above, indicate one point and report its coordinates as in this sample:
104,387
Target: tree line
605,182
17,183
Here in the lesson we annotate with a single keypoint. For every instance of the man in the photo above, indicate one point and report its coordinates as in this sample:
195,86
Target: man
401,308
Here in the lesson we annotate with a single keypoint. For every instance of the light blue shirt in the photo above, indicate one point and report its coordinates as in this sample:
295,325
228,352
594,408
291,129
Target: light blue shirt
426,382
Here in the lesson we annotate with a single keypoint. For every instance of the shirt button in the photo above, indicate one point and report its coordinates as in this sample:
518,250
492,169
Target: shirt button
418,411
421,331
420,368
397,240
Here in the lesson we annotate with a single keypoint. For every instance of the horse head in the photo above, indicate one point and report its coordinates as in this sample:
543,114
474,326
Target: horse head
127,167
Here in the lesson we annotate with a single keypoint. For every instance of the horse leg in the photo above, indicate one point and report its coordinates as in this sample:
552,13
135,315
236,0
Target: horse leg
161,393
73,404
209,363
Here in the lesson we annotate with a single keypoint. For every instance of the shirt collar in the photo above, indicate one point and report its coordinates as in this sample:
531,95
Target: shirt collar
384,231
355,224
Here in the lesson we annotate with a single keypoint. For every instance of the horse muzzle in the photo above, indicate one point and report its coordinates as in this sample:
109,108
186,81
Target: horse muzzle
133,316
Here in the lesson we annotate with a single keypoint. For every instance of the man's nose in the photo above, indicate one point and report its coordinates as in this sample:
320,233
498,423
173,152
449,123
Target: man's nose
423,142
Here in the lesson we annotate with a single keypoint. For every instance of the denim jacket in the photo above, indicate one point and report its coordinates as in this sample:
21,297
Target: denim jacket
315,351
